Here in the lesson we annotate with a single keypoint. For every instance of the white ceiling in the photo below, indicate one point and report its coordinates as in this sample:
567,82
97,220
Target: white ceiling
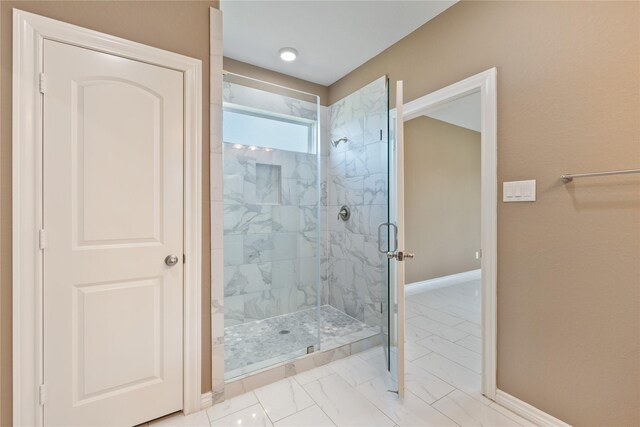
332,37
463,112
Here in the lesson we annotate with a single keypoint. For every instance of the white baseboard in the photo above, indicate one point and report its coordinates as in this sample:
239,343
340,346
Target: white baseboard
527,411
206,400
439,282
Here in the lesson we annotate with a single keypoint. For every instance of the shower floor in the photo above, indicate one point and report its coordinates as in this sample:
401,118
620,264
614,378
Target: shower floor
262,343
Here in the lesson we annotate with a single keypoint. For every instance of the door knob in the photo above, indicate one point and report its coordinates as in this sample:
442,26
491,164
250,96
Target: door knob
171,260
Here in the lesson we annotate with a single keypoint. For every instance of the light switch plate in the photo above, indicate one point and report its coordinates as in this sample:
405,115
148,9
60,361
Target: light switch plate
519,191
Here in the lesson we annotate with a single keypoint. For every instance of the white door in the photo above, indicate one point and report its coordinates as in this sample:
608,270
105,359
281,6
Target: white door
113,211
397,254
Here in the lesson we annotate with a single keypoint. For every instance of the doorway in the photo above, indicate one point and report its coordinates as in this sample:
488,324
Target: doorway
450,330
442,210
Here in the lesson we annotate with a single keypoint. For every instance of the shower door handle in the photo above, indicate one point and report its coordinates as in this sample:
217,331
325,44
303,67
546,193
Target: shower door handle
400,255
395,237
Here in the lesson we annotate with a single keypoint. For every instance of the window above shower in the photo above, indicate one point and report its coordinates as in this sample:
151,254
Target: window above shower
260,117
252,130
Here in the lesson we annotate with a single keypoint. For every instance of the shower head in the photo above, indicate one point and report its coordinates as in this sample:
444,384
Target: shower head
338,141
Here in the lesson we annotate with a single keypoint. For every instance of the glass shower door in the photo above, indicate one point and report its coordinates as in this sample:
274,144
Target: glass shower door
396,253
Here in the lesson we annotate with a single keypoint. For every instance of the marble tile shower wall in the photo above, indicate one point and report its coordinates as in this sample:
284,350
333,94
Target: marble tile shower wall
270,233
356,176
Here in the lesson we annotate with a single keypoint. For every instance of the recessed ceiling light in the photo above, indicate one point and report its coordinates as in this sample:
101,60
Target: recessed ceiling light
288,54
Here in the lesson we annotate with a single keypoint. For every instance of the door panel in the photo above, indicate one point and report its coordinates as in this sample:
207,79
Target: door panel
100,339
113,210
102,134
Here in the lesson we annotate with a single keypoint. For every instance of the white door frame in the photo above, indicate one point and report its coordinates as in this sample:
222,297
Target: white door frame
485,83
29,33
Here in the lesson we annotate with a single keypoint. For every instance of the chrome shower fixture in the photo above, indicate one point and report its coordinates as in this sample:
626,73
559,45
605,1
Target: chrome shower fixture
338,141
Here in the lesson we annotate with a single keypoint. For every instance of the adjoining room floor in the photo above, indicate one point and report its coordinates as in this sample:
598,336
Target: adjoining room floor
259,344
442,380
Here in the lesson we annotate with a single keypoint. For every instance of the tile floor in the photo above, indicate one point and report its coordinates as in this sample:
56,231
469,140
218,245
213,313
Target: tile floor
255,345
442,380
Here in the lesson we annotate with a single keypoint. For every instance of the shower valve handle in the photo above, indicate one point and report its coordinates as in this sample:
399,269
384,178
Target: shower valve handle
344,213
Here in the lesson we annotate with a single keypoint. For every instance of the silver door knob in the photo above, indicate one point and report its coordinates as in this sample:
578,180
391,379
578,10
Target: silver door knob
171,260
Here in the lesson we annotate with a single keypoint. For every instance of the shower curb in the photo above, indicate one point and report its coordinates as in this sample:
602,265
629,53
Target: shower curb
293,367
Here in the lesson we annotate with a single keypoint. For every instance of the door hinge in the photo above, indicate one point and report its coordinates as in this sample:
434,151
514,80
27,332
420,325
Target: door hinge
184,258
42,83
42,239
42,394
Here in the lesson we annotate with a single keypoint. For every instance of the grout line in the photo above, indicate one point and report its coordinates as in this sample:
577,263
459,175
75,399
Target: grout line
446,314
211,420
371,402
265,411
442,397
327,415
439,377
458,363
453,303
206,411
314,401
452,420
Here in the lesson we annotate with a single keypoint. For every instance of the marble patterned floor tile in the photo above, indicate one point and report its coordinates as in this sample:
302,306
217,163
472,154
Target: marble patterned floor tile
453,374
344,405
466,411
355,370
454,352
410,411
372,353
235,404
414,333
425,385
413,350
433,314
470,328
440,388
306,377
435,328
283,398
472,343
309,417
253,416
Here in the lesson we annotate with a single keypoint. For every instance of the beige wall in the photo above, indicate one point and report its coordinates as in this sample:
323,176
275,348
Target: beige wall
442,198
178,26
568,264
269,76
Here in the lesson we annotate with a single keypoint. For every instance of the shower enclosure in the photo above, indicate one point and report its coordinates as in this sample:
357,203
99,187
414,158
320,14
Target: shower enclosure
300,274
